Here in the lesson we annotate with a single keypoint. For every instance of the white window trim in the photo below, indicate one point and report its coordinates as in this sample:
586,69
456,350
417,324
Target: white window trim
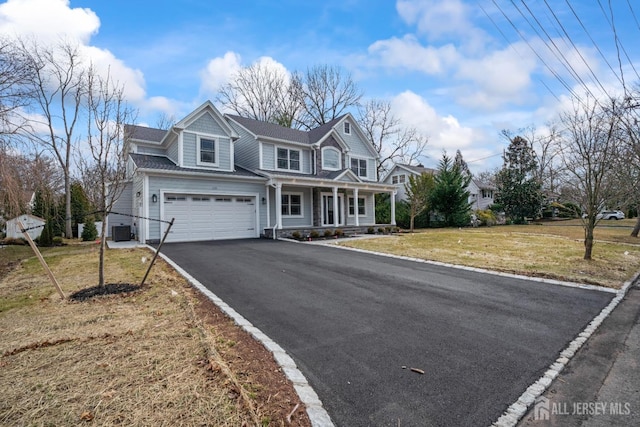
334,149
355,207
358,173
294,193
346,125
216,149
275,158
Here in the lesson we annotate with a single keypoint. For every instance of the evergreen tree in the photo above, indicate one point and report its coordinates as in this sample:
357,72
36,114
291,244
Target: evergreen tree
450,196
80,205
46,237
89,232
519,191
461,164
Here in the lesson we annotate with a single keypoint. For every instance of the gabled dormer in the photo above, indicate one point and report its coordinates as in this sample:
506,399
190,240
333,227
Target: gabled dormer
202,140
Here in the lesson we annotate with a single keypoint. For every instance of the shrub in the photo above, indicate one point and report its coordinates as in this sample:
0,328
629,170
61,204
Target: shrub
18,241
370,230
296,235
314,234
380,230
328,233
57,241
339,233
387,229
89,233
486,217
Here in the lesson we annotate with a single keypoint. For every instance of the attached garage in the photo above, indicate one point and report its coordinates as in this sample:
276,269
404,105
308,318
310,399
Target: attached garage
210,217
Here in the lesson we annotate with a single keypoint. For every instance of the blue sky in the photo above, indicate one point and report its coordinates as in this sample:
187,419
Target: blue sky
457,70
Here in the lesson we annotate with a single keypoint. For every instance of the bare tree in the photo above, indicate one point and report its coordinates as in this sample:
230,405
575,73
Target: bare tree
418,191
262,93
14,92
392,141
107,113
588,152
628,165
326,92
57,81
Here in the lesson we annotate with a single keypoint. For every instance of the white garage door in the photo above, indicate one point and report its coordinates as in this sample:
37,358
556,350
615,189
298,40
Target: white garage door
210,217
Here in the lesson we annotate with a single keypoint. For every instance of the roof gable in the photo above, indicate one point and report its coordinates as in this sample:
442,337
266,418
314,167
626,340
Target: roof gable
144,134
207,108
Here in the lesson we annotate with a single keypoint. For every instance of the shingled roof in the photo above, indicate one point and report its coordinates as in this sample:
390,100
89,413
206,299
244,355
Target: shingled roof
145,161
143,133
271,130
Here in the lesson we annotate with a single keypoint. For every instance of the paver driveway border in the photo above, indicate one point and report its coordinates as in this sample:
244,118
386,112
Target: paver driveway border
319,416
316,412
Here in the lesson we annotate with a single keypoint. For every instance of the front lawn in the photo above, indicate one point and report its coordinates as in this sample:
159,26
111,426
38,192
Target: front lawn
552,250
162,355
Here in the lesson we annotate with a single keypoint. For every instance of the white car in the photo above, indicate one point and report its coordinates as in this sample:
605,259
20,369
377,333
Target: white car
610,215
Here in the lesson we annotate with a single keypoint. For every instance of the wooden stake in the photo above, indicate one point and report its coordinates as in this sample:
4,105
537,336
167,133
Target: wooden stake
42,261
144,279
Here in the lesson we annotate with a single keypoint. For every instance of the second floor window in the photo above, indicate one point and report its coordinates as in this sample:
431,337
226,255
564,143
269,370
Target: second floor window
288,159
347,128
330,159
206,151
398,179
487,194
359,167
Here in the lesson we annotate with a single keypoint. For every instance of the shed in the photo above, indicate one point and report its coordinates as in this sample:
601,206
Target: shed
32,223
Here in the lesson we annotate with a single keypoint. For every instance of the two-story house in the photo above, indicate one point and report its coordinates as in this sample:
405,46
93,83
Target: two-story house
226,177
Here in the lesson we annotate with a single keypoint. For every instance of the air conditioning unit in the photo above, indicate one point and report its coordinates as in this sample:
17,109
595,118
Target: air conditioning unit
121,233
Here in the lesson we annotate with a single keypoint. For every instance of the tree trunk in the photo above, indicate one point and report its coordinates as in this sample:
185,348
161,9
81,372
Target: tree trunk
67,206
588,241
636,228
103,246
413,216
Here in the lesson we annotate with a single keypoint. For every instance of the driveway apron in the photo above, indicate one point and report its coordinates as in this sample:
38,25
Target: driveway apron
357,323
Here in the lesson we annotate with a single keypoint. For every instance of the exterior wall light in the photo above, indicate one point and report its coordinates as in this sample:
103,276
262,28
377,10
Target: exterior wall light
154,198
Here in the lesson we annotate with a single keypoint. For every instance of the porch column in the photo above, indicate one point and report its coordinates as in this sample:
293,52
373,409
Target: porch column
267,191
393,207
355,206
336,214
279,205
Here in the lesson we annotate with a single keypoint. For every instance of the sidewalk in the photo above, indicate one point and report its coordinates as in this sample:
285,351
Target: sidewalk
600,386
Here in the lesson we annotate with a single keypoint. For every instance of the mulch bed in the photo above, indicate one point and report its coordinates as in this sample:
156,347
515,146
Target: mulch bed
108,289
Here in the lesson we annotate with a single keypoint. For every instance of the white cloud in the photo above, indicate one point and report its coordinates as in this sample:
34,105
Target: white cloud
434,18
48,20
409,53
219,71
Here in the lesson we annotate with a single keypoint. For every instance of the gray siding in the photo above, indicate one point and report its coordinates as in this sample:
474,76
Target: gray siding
206,124
190,152
247,149
122,205
268,156
172,152
306,219
206,186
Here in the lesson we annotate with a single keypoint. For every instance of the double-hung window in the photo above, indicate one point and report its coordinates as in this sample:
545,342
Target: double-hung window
347,128
207,151
291,204
288,159
359,167
361,206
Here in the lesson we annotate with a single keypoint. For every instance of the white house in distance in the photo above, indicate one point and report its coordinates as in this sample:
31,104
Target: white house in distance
481,195
33,224
231,177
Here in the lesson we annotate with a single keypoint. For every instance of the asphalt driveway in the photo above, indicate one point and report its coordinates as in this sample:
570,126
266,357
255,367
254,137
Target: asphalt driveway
352,321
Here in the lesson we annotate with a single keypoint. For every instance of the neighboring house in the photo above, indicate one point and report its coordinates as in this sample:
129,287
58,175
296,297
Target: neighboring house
227,177
33,224
399,175
481,194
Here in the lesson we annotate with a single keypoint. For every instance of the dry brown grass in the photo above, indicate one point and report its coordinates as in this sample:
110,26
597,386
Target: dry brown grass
144,359
549,250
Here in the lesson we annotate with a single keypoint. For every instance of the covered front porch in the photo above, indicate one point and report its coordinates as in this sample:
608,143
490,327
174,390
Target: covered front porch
308,206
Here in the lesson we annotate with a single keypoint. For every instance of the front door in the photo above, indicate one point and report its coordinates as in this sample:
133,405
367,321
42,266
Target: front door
328,214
